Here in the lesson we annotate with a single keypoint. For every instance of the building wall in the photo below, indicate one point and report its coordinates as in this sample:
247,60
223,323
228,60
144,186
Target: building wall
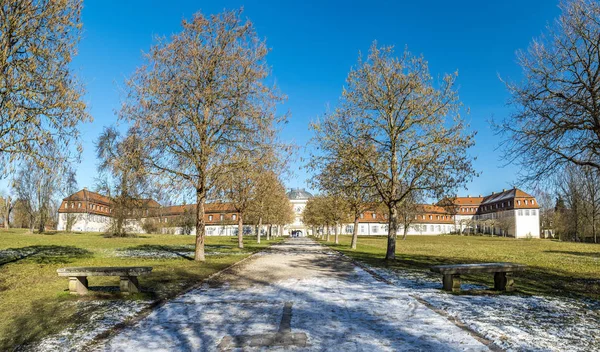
84,222
527,224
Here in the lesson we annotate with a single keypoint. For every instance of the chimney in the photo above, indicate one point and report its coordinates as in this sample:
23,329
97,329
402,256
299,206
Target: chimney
493,193
468,196
480,196
503,189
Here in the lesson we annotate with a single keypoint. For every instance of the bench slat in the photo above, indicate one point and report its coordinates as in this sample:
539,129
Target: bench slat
105,271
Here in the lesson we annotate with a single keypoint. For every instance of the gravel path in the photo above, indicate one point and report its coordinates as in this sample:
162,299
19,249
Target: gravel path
298,296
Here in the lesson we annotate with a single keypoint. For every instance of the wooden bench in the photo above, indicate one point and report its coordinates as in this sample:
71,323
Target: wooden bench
78,282
503,274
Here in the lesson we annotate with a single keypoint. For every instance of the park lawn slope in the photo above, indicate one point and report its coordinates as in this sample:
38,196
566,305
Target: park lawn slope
34,301
554,268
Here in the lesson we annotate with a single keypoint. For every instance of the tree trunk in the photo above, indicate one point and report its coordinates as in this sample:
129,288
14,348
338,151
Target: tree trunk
390,253
240,231
280,230
405,231
594,227
7,213
355,232
43,218
328,233
337,237
259,229
200,225
269,232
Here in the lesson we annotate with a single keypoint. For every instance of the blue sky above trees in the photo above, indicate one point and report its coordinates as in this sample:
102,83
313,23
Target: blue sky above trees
314,44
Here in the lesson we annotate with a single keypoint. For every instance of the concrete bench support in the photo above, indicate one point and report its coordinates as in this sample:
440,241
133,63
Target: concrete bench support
78,285
130,284
451,282
504,282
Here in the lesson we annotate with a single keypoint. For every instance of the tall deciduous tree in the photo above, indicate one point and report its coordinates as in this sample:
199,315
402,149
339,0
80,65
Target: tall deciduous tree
337,173
557,117
6,206
413,137
40,100
200,100
35,187
123,177
269,201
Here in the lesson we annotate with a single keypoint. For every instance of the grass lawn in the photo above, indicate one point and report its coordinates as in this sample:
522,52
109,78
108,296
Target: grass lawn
34,301
555,268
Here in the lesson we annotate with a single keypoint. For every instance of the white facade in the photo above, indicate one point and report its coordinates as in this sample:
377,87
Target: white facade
84,222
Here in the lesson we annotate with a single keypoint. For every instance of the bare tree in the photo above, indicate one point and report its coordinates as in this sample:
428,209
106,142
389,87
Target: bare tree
200,100
268,202
122,177
337,175
557,118
546,202
413,135
239,187
40,99
6,207
35,188
407,212
69,187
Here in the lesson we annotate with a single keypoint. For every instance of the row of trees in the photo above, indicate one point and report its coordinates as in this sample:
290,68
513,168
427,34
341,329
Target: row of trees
200,112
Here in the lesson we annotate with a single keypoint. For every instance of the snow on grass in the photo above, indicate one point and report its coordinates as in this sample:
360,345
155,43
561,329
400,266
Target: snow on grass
513,322
103,316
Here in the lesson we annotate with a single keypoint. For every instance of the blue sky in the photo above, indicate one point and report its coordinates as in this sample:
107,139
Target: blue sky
314,44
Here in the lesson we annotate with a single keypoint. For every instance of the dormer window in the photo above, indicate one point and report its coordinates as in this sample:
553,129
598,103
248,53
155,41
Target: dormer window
221,217
233,217
518,202
525,201
374,216
210,218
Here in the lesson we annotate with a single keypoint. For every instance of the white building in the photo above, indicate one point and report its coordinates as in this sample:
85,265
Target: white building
511,212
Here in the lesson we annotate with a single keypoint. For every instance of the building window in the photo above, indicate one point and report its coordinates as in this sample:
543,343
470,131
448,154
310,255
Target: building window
430,217
520,212
362,216
432,228
362,228
526,212
210,218
349,228
532,202
233,216
533,212
79,205
525,201
374,216
221,217
518,202
375,229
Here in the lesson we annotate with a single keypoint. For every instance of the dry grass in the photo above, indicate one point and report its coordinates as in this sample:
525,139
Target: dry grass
34,301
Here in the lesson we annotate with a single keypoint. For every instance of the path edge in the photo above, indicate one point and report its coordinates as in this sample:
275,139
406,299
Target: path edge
457,322
146,311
